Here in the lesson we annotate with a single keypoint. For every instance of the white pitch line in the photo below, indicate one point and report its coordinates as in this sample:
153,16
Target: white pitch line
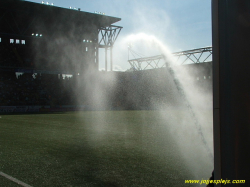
14,180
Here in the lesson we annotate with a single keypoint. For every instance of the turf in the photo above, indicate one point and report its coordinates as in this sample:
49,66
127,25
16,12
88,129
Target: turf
98,148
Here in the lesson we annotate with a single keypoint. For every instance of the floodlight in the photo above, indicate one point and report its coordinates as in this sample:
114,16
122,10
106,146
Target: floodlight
41,35
32,34
90,41
84,40
103,13
87,40
47,3
37,34
52,4
70,7
42,2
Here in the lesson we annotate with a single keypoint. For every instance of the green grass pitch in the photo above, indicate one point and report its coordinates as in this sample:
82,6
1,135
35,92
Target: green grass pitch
94,148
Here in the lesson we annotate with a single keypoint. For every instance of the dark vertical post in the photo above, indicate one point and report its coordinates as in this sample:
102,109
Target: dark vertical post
231,76
216,103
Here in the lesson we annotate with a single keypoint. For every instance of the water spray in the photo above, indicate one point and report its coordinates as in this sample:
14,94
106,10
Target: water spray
187,103
152,41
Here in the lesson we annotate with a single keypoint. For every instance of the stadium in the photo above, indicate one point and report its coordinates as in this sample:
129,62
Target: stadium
143,127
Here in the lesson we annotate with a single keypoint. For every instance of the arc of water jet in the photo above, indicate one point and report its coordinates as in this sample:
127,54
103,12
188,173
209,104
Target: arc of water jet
190,109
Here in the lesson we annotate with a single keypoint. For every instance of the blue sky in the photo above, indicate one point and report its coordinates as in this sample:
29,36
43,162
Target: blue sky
178,24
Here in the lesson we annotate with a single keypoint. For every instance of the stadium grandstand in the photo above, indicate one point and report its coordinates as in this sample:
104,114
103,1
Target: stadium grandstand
40,44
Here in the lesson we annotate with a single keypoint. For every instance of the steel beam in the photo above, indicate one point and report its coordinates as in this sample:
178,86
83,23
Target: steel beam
108,37
194,55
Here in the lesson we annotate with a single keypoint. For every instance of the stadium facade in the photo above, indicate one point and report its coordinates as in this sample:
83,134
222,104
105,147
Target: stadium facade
50,41
49,38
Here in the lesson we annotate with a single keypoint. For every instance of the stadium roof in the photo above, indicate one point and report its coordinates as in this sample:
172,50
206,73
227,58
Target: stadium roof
21,17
